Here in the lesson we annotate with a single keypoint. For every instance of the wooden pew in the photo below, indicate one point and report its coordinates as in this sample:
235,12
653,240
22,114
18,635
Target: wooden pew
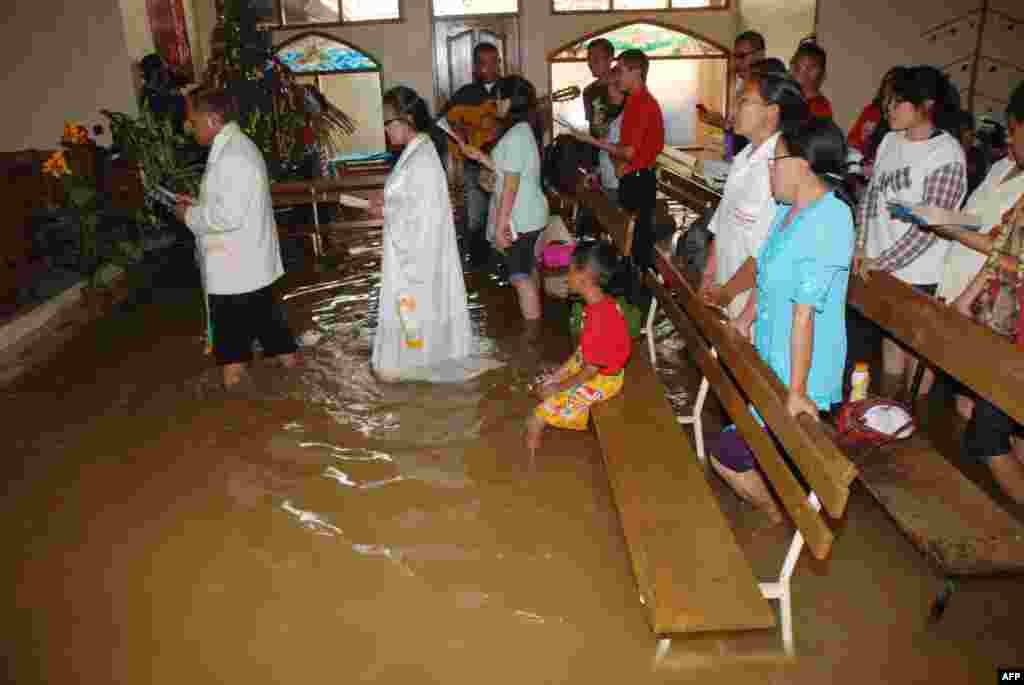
615,221
320,192
827,470
691,574
952,521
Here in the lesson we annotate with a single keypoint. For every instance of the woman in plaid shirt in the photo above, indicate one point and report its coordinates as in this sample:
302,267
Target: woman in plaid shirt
918,162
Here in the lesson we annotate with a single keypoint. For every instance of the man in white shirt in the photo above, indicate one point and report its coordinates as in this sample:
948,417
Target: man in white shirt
236,237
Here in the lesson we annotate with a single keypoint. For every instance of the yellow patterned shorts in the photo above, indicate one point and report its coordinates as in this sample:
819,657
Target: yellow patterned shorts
571,408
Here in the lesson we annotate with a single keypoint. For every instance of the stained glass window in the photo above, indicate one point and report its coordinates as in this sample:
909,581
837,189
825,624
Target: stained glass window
653,40
619,5
458,8
334,11
314,53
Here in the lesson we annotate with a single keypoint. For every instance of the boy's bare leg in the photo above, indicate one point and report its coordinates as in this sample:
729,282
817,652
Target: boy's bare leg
751,487
232,374
290,360
534,432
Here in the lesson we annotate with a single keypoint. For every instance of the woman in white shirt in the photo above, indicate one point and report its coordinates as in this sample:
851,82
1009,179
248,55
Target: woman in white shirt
1001,189
770,100
918,162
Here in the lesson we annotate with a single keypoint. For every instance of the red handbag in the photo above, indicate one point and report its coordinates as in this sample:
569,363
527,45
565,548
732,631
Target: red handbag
873,422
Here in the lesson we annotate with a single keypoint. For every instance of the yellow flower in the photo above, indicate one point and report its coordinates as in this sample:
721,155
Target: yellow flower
56,165
75,134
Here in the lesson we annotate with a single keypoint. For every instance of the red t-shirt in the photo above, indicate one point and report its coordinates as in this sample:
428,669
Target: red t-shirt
820,107
643,128
605,339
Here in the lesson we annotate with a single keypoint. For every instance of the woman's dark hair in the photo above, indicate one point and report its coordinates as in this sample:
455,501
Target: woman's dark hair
887,80
778,88
917,85
875,139
413,109
599,256
823,145
1015,109
809,48
522,97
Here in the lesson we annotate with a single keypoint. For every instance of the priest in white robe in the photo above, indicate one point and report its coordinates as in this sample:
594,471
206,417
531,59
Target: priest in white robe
423,329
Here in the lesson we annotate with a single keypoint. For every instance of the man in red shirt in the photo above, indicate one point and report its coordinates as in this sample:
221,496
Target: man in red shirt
640,143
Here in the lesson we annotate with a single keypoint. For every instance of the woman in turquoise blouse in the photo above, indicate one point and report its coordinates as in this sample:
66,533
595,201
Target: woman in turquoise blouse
798,309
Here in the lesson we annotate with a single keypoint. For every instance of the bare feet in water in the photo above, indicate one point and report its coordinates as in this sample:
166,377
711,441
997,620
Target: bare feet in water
232,374
290,361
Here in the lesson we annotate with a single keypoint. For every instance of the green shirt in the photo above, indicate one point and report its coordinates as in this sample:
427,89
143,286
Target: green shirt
517,153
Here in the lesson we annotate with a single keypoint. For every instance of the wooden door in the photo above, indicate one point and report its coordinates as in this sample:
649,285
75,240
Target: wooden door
454,40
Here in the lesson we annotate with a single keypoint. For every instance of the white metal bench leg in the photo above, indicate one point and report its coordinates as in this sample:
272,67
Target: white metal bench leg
661,651
780,589
317,247
694,419
651,312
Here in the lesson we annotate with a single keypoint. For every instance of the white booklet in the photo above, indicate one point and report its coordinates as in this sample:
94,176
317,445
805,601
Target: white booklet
163,196
353,201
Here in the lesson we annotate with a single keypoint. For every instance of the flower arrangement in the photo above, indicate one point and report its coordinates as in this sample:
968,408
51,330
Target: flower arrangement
74,166
152,141
79,184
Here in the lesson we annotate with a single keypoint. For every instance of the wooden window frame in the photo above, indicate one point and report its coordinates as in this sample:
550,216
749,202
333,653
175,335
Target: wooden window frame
726,5
281,25
552,58
434,17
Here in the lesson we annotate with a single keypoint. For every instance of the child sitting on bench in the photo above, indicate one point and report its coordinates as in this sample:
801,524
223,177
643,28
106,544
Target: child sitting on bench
594,372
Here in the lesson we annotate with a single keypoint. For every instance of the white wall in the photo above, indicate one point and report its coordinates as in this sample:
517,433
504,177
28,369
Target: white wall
782,23
63,61
864,38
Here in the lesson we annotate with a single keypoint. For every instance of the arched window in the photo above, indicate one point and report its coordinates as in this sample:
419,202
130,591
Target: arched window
348,77
685,69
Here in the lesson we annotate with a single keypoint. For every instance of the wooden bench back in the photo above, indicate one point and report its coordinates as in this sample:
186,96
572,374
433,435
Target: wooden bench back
739,377
614,220
989,364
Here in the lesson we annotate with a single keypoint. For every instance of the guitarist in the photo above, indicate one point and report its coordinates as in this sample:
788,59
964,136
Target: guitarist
473,114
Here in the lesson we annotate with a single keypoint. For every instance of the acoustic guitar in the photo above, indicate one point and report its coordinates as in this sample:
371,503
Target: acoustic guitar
480,122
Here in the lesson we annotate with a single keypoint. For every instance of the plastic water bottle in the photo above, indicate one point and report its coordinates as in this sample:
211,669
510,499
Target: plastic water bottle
859,380
411,329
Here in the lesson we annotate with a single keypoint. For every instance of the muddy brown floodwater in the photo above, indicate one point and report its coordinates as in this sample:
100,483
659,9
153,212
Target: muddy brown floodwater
319,527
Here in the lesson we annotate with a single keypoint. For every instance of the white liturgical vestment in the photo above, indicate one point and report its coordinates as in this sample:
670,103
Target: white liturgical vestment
233,219
420,260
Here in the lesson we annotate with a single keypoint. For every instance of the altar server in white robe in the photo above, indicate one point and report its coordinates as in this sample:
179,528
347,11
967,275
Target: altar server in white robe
236,239
423,329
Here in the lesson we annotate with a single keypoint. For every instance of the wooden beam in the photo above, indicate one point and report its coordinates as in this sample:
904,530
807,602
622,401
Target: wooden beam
828,471
817,534
991,365
616,221
688,567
